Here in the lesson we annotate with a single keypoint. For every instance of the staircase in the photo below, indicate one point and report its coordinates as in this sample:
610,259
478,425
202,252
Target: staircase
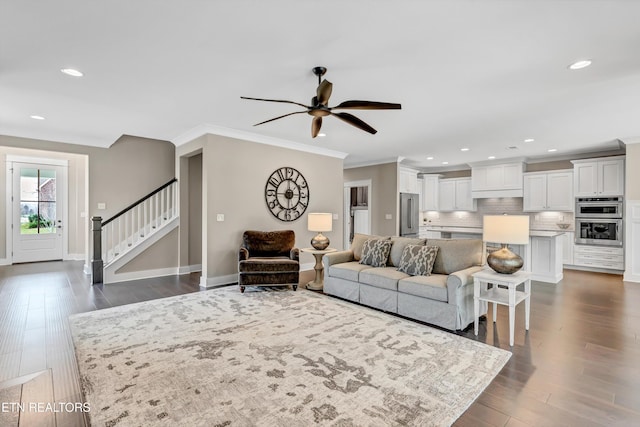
132,230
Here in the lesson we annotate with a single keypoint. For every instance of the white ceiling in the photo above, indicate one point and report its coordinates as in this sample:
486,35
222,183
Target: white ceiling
479,74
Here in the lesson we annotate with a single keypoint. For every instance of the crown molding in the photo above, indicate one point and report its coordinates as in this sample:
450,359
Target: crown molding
372,163
206,128
631,140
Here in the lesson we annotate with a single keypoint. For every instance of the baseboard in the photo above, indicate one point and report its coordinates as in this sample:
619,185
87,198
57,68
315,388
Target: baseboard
307,266
5,261
186,269
212,282
73,257
628,277
86,269
547,279
145,274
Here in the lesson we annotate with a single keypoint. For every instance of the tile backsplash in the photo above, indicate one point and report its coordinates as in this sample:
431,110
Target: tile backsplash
497,206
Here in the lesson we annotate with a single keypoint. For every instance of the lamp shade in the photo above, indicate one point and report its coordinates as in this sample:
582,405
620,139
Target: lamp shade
319,222
512,229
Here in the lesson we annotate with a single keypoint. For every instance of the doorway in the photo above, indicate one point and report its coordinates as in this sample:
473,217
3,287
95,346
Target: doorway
38,210
357,209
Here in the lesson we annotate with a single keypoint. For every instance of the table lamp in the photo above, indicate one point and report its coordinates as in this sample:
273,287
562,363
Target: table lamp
320,222
505,229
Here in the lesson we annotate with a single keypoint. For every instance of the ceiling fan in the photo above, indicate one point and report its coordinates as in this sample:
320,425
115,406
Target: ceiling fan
319,107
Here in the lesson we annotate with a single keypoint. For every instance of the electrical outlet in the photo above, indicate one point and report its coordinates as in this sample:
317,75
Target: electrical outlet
560,218
335,217
388,216
220,217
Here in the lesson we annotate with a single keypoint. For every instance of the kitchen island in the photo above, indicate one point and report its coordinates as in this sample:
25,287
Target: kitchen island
542,256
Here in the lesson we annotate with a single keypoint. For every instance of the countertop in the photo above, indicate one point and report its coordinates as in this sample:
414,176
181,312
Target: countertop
478,230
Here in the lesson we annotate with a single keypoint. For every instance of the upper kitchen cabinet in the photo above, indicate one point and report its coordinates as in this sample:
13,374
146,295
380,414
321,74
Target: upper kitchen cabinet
501,180
455,195
548,191
408,180
430,192
598,177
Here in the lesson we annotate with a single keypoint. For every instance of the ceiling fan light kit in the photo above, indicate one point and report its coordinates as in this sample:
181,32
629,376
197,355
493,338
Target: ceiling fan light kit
319,107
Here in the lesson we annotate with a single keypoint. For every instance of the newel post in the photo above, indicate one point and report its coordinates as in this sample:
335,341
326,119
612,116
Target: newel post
96,260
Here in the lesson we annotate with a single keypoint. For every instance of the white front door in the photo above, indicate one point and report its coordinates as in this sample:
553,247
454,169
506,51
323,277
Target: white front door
38,211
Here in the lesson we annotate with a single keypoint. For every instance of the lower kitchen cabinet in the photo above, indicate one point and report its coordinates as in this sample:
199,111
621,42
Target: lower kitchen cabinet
567,247
546,258
599,257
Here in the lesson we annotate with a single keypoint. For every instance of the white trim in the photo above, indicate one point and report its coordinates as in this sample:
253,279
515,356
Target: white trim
347,203
73,257
37,160
206,128
9,213
632,241
187,269
212,282
372,163
144,274
86,269
5,261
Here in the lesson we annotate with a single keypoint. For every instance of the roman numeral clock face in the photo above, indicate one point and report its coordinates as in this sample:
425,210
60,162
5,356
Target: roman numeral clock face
287,194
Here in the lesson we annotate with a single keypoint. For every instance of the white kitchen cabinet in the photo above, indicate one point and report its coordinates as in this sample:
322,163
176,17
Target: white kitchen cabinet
599,257
501,180
599,177
455,195
567,247
546,258
548,191
430,191
407,180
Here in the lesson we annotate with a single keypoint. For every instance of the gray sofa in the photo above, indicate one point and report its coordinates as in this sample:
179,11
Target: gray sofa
444,298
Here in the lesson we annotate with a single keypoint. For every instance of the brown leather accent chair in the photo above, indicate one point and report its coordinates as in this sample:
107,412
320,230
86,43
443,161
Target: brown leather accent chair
268,258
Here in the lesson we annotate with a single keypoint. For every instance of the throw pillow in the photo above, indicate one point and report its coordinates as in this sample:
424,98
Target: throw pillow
375,252
358,243
418,260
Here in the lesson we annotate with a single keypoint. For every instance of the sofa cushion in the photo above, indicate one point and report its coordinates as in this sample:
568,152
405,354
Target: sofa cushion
432,287
347,270
382,277
375,252
456,254
399,243
358,242
268,265
417,260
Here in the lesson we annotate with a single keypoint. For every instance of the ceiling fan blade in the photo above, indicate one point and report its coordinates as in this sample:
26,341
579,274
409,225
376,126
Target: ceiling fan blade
275,100
316,124
279,117
367,105
354,121
324,92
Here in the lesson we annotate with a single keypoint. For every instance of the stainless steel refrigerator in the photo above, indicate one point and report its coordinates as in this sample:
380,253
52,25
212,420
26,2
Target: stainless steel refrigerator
409,214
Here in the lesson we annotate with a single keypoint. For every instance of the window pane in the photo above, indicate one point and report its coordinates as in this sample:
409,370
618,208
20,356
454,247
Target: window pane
28,218
47,218
47,185
29,184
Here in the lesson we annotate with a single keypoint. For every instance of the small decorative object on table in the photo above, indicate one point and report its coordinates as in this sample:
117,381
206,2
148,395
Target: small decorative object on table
505,229
320,222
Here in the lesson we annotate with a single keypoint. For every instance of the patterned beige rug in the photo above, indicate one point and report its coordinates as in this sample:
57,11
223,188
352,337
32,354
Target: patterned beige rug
273,358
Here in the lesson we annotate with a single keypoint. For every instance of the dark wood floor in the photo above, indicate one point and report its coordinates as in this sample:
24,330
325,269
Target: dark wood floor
578,365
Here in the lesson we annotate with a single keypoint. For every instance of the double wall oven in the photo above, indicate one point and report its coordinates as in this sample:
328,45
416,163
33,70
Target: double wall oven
599,221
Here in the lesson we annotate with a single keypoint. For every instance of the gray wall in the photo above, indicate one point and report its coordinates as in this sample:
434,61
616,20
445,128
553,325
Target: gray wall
234,175
119,175
384,195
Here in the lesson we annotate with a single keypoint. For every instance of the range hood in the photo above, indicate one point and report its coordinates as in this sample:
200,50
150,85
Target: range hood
497,180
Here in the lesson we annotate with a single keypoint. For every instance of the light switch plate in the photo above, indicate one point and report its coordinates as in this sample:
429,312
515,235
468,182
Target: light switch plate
220,217
102,206
388,216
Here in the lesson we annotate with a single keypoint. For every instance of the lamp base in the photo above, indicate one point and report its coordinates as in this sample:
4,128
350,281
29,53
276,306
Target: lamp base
504,261
320,242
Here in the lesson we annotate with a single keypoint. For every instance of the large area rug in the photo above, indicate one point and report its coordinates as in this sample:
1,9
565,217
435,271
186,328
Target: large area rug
273,358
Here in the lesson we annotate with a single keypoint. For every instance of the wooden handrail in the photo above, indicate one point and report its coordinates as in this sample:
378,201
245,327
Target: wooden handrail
132,205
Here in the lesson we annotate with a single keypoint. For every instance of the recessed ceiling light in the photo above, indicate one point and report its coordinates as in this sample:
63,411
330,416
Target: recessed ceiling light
529,140
72,72
580,64
429,158
37,117
464,149
322,134
491,157
445,163
552,150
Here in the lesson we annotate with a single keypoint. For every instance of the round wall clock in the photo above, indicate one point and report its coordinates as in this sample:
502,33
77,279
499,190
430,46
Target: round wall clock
286,194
